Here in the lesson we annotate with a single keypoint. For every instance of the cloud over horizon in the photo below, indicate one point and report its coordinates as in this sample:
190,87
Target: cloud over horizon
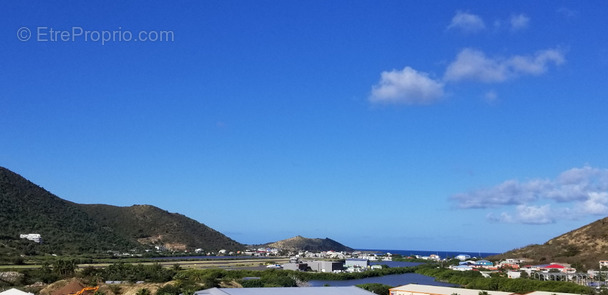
578,192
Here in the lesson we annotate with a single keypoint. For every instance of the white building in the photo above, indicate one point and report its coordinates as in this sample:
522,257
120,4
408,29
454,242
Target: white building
463,257
513,274
32,237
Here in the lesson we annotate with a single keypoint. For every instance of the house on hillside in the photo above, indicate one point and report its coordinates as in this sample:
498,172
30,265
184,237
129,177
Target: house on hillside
37,238
508,265
556,267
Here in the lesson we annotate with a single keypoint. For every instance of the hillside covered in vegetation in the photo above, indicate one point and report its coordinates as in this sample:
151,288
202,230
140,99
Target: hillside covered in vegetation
583,248
70,228
151,225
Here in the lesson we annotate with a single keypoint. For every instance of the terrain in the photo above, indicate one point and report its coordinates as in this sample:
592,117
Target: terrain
299,243
71,228
151,225
583,248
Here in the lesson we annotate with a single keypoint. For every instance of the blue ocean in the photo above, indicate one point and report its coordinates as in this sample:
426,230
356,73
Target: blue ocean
442,254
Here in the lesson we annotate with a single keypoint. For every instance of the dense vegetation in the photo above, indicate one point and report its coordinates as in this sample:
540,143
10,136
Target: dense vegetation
68,228
474,280
188,281
279,278
65,228
151,224
376,288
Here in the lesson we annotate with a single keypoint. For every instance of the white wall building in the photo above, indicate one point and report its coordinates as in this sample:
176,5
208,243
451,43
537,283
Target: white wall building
32,237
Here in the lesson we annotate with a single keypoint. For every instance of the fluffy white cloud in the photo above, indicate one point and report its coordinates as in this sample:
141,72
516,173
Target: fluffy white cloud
467,22
407,86
596,204
519,22
510,192
584,191
471,64
527,215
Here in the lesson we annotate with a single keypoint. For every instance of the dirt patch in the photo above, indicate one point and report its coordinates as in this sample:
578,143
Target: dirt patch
63,287
132,289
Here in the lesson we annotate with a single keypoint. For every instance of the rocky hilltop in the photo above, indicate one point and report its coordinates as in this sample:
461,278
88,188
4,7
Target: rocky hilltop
582,247
299,243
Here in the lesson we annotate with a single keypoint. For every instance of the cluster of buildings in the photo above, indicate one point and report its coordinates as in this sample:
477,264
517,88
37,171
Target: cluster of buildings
517,268
267,252
415,289
410,289
349,265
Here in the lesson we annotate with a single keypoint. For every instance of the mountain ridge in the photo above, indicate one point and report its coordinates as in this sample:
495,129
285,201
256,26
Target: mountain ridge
157,226
582,247
70,228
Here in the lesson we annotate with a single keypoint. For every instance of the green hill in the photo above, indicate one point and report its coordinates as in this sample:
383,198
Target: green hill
64,226
299,243
70,228
151,225
583,248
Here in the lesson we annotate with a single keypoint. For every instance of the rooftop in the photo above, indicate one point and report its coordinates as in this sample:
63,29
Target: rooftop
351,290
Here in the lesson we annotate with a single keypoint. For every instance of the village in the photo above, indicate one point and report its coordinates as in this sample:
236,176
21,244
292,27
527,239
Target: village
513,268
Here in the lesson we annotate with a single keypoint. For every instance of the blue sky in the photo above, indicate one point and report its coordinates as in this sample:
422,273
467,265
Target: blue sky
465,125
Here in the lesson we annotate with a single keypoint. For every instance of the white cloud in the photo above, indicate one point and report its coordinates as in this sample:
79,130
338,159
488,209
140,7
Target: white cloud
471,64
407,86
527,215
519,22
510,192
596,204
467,22
583,191
535,214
